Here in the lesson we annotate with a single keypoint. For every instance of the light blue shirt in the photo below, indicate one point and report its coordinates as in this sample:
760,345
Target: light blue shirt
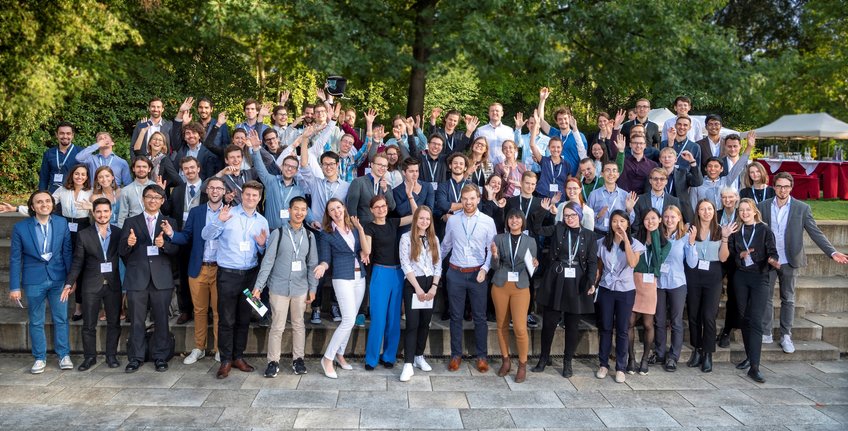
601,198
523,142
322,191
671,271
470,238
239,229
618,275
277,193
118,165
210,247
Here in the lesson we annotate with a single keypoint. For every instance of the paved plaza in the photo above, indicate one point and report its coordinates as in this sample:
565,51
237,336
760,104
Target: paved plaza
796,396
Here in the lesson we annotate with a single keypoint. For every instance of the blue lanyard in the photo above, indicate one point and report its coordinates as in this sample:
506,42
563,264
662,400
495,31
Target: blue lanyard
511,253
62,164
751,239
104,242
285,201
465,229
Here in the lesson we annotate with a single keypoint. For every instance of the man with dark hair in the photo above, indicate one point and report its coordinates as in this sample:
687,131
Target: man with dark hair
149,280
253,113
281,188
362,189
682,105
155,123
286,132
433,162
187,139
204,110
652,130
57,161
105,157
574,145
132,202
455,140
711,145
234,176
679,140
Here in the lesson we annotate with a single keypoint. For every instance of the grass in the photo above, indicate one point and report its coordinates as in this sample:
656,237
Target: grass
829,209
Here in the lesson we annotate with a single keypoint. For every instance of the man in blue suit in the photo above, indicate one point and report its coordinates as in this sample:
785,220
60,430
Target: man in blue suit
40,259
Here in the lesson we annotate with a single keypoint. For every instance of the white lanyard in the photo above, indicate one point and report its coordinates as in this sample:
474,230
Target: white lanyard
572,252
68,154
376,184
449,140
101,160
104,242
45,230
299,244
512,254
529,204
465,228
555,174
433,170
725,220
751,239
285,201
246,230
611,205
453,189
594,186
234,181
754,192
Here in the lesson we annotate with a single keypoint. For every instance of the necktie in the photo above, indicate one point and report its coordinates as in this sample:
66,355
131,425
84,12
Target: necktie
191,191
151,225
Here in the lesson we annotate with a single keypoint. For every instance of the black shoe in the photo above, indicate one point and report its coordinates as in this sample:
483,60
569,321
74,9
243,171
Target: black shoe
671,365
532,322
446,316
707,363
298,366
161,365
655,359
724,340
265,321
543,362
368,368
387,364
132,366
76,317
754,374
184,318
643,367
744,364
631,365
86,364
112,362
695,359
566,368
272,370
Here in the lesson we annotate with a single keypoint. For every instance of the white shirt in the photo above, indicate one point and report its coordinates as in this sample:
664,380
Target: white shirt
495,135
696,132
779,220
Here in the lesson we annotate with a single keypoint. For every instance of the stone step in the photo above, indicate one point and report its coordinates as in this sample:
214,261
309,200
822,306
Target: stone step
821,265
836,232
800,311
820,294
834,328
802,329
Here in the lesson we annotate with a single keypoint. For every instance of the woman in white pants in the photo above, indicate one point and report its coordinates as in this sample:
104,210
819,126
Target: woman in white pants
339,247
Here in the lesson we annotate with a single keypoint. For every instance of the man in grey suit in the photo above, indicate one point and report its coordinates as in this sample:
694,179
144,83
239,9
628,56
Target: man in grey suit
788,218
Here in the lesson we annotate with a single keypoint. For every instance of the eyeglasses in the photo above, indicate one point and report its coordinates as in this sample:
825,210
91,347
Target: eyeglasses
269,140
328,165
569,215
380,165
153,197
215,189
782,186
659,179
643,106
287,166
379,207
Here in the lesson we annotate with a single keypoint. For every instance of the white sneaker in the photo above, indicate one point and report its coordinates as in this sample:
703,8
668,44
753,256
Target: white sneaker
787,345
65,363
768,339
194,356
407,373
602,372
620,376
217,356
38,367
419,362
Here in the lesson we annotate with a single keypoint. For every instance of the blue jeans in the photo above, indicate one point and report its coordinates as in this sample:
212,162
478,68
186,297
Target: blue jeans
36,294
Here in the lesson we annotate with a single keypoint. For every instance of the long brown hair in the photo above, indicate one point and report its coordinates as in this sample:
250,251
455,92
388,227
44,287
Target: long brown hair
328,221
430,233
98,189
715,230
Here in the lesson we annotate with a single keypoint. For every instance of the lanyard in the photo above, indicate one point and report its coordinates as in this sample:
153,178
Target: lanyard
285,201
512,254
465,229
555,174
299,244
433,170
456,194
449,140
670,185
104,242
45,230
329,190
648,256
572,252
611,205
594,186
725,220
478,176
529,204
235,183
754,192
751,239
101,160
246,228
376,184
62,163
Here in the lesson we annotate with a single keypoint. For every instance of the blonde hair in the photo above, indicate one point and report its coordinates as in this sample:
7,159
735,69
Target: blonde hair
416,246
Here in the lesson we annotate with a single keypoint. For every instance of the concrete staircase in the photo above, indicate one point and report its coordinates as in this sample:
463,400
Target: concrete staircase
820,331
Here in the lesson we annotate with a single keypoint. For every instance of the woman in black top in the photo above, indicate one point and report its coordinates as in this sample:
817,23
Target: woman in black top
385,295
756,184
755,254
568,284
493,201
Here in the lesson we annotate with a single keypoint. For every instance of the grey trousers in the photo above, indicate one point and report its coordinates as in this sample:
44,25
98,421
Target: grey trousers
670,304
787,276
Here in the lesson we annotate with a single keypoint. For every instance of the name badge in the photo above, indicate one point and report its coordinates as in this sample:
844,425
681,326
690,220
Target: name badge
73,227
647,278
606,221
58,178
244,245
516,191
212,244
749,261
106,267
664,268
553,188
570,272
47,256
297,266
152,250
704,265
435,185
284,213
185,216
512,276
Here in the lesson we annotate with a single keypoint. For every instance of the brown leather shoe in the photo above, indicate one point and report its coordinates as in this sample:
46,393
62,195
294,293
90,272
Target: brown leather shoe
482,365
505,366
184,318
521,374
241,364
454,363
224,370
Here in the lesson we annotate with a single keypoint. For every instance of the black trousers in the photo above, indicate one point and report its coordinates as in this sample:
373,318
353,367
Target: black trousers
82,223
183,291
159,301
233,311
752,290
92,297
417,321
702,300
550,318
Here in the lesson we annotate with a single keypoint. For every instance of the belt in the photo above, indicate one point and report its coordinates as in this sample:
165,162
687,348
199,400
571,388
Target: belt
465,270
387,266
235,271
209,264
76,220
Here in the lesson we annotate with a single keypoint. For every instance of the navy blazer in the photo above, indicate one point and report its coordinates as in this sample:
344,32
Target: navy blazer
190,234
445,197
209,163
333,250
26,266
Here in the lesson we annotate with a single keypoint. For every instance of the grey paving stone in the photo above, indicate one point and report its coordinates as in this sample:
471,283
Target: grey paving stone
590,383
836,380
419,382
82,395
840,413
22,376
372,400
282,381
410,418
322,418
745,428
438,400
778,396
507,399
139,380
486,418
77,379
169,416
716,397
791,381
779,415
210,381
661,380
231,398
701,416
28,394
35,416
583,399
635,417
160,397
839,427
346,380
530,418
101,417
790,368
466,384
295,399
257,418
645,399
730,380
540,381
831,366
825,396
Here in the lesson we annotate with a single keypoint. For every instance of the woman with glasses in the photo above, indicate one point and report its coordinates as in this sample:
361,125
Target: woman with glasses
573,193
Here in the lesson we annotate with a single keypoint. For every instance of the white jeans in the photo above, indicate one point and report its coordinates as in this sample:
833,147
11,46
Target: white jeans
349,293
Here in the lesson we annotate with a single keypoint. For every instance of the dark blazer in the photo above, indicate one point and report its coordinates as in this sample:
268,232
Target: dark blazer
643,205
800,220
684,178
141,268
514,202
426,197
458,138
175,205
763,246
445,197
652,133
88,255
210,164
689,146
587,254
190,234
26,266
333,250
169,173
707,152
503,264
166,127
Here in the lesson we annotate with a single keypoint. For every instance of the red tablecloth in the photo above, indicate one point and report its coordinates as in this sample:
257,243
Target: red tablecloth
833,176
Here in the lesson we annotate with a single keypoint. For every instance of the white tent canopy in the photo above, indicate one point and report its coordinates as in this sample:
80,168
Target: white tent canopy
661,115
805,126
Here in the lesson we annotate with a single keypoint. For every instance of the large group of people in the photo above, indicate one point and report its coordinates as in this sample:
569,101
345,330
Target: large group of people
490,223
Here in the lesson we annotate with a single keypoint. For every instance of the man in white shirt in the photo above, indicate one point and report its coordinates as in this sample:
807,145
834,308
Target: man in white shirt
682,105
495,133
